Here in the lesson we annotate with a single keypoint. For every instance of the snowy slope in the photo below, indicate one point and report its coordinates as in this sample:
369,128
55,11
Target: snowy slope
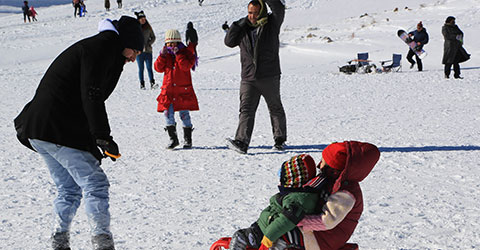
423,193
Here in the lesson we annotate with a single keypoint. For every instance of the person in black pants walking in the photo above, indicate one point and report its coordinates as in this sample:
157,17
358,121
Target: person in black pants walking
257,36
420,36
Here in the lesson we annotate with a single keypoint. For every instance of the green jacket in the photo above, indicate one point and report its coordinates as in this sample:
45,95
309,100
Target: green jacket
284,212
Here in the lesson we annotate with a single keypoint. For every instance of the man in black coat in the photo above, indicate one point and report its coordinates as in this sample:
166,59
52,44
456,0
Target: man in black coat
66,122
257,36
453,51
420,36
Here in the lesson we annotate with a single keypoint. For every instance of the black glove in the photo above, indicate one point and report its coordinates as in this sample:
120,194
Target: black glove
109,148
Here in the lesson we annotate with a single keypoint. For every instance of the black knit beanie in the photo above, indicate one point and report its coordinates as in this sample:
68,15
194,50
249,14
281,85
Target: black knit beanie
130,32
449,19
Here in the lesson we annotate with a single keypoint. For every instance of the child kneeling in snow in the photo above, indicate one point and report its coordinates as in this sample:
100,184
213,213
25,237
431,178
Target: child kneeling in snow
286,208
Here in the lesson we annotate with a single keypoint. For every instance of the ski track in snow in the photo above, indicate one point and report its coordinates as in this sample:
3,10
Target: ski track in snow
423,193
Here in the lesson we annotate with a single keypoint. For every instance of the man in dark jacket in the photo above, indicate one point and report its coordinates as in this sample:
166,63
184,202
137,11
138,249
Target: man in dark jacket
257,36
66,121
420,36
453,51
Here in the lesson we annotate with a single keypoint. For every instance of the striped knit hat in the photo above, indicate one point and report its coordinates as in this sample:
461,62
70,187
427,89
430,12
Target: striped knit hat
297,171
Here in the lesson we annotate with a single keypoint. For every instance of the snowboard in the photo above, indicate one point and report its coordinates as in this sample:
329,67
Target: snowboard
402,34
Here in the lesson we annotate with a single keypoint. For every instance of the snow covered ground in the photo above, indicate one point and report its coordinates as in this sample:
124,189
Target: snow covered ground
423,193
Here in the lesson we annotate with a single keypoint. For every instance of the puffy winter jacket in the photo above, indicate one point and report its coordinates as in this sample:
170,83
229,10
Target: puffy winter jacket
262,60
284,212
177,86
344,207
420,37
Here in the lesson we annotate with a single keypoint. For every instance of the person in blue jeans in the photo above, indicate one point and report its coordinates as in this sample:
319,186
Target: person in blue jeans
145,58
66,123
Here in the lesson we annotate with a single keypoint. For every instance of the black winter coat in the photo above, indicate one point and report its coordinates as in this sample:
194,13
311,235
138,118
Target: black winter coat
191,34
453,51
262,60
68,107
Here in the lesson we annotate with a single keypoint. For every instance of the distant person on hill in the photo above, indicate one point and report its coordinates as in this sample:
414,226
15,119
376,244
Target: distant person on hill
175,62
145,58
66,123
420,36
191,36
119,3
76,7
107,5
33,13
257,35
453,51
200,2
26,10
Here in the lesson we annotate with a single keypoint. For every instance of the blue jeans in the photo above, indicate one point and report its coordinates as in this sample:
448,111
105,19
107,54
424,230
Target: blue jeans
184,116
147,59
74,171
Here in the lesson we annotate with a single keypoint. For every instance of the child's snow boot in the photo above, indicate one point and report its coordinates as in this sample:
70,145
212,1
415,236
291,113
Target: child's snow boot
102,242
142,84
61,241
172,132
187,136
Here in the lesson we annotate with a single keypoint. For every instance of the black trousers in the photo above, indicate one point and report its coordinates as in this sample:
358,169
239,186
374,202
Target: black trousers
410,59
456,69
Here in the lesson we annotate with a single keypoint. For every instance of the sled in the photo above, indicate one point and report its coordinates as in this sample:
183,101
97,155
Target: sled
224,243
412,44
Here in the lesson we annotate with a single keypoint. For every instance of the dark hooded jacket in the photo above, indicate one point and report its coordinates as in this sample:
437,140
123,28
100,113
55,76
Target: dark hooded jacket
261,59
420,37
68,107
453,51
361,158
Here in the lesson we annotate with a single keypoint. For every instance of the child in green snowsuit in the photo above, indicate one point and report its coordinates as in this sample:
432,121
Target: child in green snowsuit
286,208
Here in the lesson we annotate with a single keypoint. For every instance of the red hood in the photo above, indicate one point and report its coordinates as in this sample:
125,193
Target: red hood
361,158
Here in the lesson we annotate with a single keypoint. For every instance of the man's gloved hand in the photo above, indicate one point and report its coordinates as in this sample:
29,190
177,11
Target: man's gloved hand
109,148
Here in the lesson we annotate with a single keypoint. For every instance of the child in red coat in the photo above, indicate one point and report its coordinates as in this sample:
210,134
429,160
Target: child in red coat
175,62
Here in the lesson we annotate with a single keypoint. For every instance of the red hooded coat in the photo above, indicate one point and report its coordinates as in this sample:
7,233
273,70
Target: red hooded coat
360,160
177,86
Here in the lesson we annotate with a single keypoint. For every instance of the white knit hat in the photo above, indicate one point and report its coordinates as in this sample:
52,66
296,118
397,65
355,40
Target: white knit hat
172,36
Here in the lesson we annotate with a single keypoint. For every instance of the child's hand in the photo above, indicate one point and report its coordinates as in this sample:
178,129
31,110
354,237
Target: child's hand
164,51
175,50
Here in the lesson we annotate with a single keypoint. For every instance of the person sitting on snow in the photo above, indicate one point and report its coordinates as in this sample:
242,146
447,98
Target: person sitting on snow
286,208
343,166
340,198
